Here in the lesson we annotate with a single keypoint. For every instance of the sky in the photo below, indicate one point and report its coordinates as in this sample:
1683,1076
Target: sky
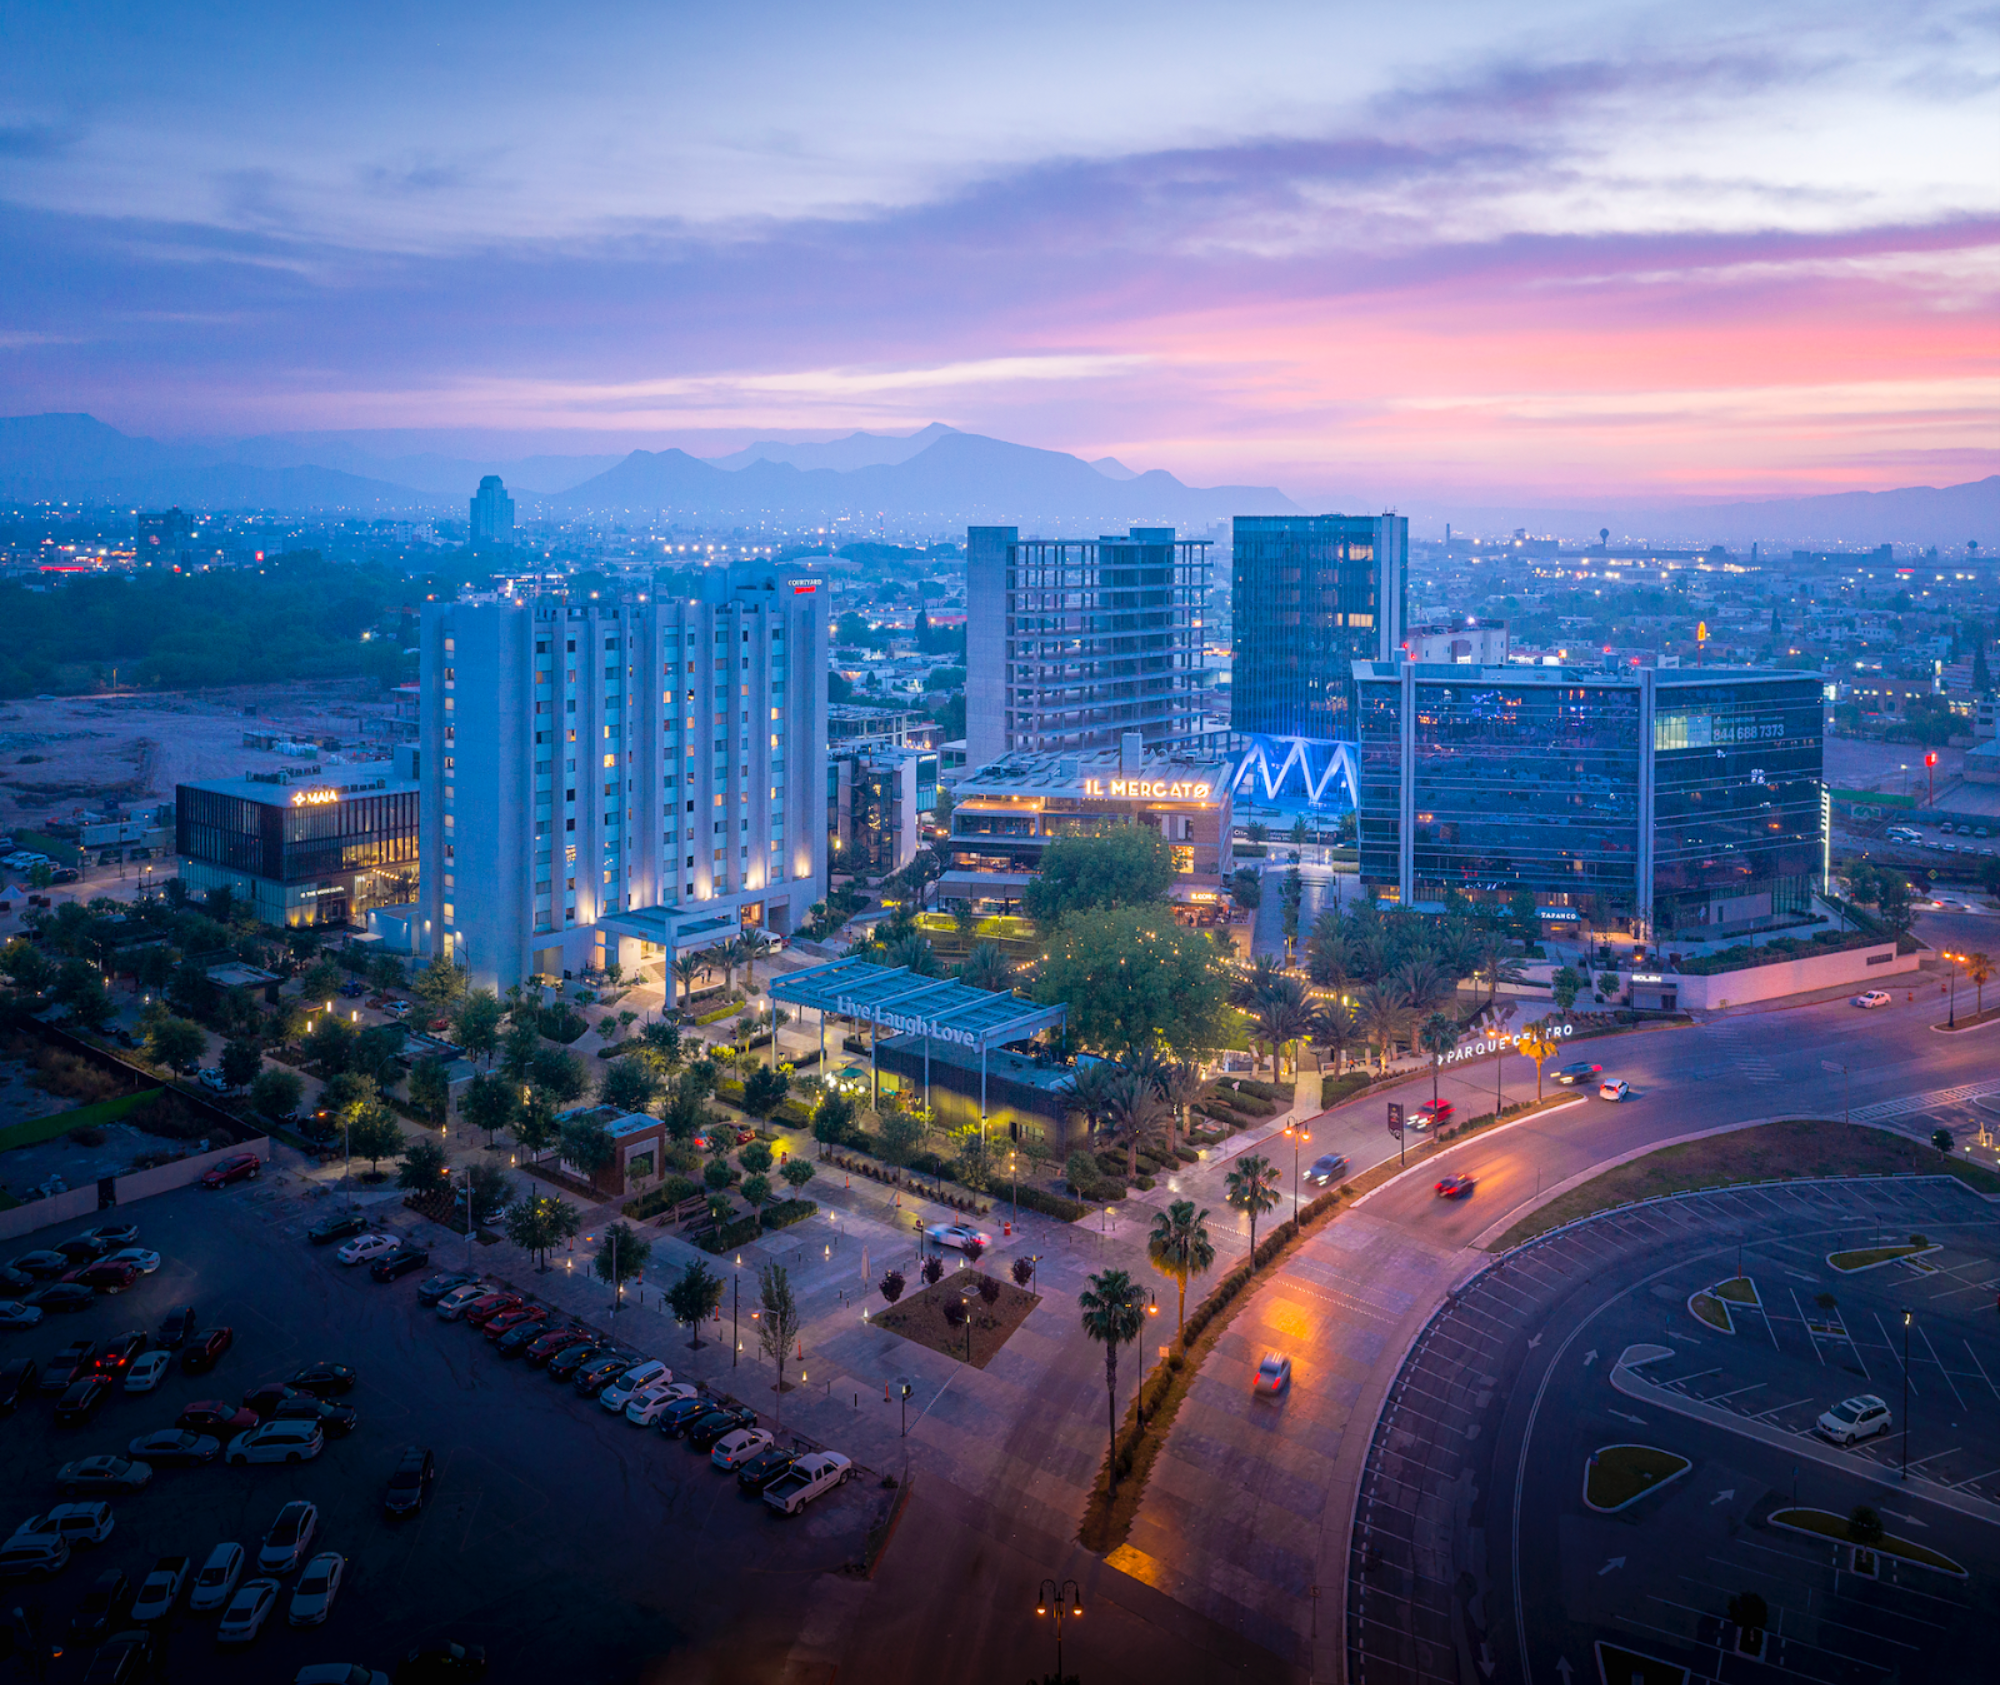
1547,250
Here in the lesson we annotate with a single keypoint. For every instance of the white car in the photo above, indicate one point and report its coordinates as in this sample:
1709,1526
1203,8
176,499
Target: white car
805,1480
366,1246
1873,998
161,1589
290,1535
649,1404
960,1235
733,1450
148,1370
619,1393
286,1440
14,1314
44,1554
138,1257
313,1596
1857,1418
1614,1088
452,1306
217,1579
247,1612
79,1524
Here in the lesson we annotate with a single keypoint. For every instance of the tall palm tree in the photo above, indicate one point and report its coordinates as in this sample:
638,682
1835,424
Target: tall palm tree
1979,972
1329,951
1180,1084
1283,1016
1132,1113
1113,1312
1256,984
686,968
1333,1028
1437,1037
1179,1247
729,955
1381,1015
1088,1088
1494,963
986,967
1422,982
1253,1189
754,945
914,953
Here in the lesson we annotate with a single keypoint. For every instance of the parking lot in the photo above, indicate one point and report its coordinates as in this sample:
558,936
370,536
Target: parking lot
1475,1545
565,1541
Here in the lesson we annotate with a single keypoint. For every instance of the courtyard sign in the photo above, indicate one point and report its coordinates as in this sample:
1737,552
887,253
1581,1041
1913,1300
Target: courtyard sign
1499,1044
1148,789
848,1007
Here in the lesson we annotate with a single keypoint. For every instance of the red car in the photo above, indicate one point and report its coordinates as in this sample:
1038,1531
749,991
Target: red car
205,1350
238,1167
1430,1114
117,1355
1453,1187
106,1276
497,1325
482,1311
541,1350
213,1415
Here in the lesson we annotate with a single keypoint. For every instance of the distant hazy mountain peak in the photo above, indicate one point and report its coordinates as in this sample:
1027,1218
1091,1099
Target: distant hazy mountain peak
1112,469
844,455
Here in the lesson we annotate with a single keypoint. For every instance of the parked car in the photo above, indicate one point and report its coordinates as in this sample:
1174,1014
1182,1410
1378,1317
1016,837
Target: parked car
337,1226
85,1248
72,1363
111,1236
442,1664
759,1471
546,1343
43,1266
17,1380
218,1577
1274,1373
82,1399
960,1235
806,1479
1872,998
102,1474
238,1167
565,1363
175,1445
646,1406
704,1431
138,1257
676,1419
619,1393
216,1416
736,1448
1326,1170
204,1351
489,1305
212,1080
454,1302
336,1421
519,1317
147,1370
1614,1088
1855,1419
278,1442
161,1589
40,1556
601,1371
436,1287
248,1610
391,1266
119,1351
125,1658
312,1597
518,1338
352,989
177,1329
61,1296
1432,1114
1579,1073
104,1607
363,1247
324,1377
104,1276
410,1484
89,1523
1455,1186
15,1314
291,1535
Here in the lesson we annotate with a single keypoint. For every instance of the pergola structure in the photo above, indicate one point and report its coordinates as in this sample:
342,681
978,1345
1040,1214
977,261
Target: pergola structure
896,998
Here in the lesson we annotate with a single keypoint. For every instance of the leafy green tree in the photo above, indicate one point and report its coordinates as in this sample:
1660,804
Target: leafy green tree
717,1175
320,983
661,1045
535,1126
763,1089
694,1299
329,1044
241,1061
175,1043
1179,1247
439,986
1564,987
587,1144
476,1025
488,1104
1246,888
424,1166
1133,977
385,972
629,1084
1080,1172
374,1135
621,1254
1113,1307
374,1052
833,1119
541,1223
276,1092
685,1109
756,1157
558,1074
492,1191
152,966
780,1323
518,1045
1124,866
1253,1190
757,1191
899,1135
430,1090
797,1171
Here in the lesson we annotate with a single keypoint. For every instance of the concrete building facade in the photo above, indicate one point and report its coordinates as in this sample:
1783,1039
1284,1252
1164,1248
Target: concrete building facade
492,515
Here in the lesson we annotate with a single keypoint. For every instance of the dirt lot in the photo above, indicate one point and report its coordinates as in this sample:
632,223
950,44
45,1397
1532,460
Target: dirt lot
59,756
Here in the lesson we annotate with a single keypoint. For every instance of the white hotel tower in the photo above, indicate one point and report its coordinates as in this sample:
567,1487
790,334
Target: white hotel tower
622,778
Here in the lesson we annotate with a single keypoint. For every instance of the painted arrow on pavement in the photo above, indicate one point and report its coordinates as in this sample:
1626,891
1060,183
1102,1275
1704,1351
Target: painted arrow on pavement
1536,1341
1615,1562
1563,1668
1722,1497
1895,1515
1486,1662
1620,1414
1590,1357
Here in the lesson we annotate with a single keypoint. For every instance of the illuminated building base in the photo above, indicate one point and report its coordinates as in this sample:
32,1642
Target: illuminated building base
1308,773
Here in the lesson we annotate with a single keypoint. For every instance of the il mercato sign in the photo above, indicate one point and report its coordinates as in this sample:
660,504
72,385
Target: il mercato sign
1498,1044
848,1007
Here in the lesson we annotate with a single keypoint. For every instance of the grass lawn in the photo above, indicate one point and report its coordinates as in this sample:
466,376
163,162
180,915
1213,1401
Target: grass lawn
98,1112
1617,1475
919,1317
1712,1311
1831,1526
1738,1290
1766,1153
1867,1257
1628,1667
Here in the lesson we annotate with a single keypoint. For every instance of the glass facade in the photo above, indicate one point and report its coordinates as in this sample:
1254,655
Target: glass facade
1311,595
302,855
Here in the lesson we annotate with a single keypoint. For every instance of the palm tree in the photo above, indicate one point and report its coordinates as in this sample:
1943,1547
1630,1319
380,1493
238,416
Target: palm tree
1255,985
730,955
1329,953
754,945
1253,1189
914,953
1132,1113
1381,1014
1437,1037
1979,972
1287,1021
1422,982
1113,1312
1180,1084
1493,960
985,967
1179,1247
1088,1089
1333,1027
686,968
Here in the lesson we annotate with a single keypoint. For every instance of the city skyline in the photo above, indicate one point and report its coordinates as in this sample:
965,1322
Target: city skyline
1572,253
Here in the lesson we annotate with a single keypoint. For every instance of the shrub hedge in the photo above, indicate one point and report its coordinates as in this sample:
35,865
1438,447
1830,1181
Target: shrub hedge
786,1212
1053,1205
729,1236
669,1193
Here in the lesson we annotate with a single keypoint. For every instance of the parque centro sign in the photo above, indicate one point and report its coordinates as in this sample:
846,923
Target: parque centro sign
314,798
848,1007
1500,1043
1147,789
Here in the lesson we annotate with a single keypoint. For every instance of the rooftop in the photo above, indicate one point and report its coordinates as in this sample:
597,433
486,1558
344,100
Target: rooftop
897,998
372,778
1665,678
1098,775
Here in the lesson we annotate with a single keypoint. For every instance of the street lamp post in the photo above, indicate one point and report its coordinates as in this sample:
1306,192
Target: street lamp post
468,1216
1952,1016
1060,1600
736,1305
1298,1135
1906,1395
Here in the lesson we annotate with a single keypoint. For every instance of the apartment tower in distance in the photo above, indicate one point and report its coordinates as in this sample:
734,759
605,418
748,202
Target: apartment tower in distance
1072,643
492,515
1310,596
623,778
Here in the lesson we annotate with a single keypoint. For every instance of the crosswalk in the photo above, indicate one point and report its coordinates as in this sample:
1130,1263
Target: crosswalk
1883,1110
1742,1061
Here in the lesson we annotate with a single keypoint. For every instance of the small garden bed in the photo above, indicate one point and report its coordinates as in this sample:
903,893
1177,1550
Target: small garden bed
1830,1526
920,1317
1618,1476
1874,1257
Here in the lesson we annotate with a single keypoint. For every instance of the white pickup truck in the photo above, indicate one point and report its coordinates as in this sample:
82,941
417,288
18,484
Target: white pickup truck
805,1480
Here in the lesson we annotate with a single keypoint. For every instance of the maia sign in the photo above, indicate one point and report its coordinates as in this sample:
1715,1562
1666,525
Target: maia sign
314,798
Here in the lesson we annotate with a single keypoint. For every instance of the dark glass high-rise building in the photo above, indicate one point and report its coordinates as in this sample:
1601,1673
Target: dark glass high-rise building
1666,802
1311,595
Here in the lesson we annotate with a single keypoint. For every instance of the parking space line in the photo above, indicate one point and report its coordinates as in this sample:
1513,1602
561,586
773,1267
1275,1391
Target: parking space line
1891,1344
1775,1408
1810,1333
1988,1379
1717,1398
1918,1462
1975,1480
1924,1333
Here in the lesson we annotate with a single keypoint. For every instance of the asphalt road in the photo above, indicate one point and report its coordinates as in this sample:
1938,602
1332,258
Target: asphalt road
567,1542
